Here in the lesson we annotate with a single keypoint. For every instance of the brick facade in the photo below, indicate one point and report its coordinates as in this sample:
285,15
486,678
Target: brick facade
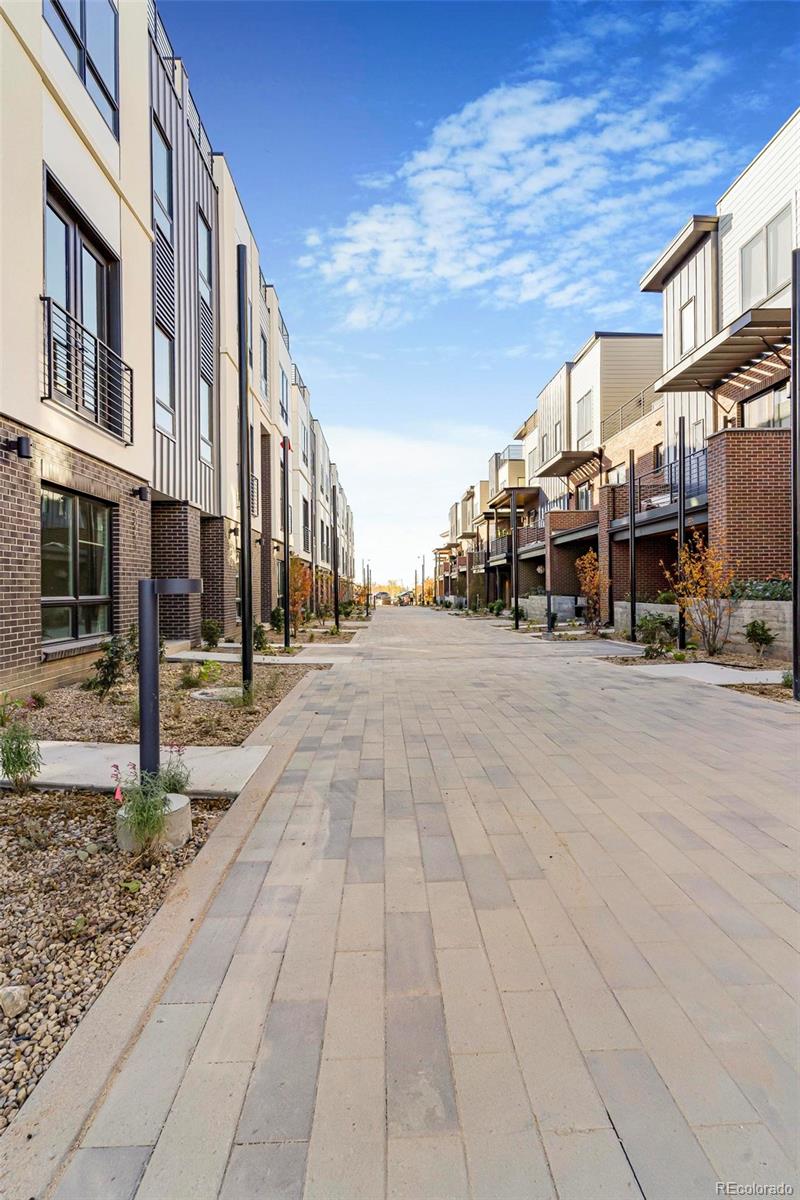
268,578
749,499
176,552
218,568
23,662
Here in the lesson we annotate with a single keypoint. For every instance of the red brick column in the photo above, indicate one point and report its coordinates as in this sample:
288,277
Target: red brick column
176,554
219,573
560,560
749,499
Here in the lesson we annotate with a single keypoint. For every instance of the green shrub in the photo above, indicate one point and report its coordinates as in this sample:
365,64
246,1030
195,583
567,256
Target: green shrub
109,668
760,636
657,629
8,709
211,632
787,679
679,655
276,618
779,588
144,807
35,701
346,609
174,776
666,598
209,672
260,639
497,607
656,649
20,756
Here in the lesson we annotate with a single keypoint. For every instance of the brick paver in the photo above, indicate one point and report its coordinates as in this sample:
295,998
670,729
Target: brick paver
515,923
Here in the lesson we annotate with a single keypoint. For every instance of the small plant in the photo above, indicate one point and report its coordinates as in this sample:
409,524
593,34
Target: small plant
787,679
20,756
144,806
276,618
333,631
260,639
133,711
35,701
311,636
243,699
209,671
760,637
656,650
174,776
109,668
8,709
35,835
211,632
666,598
496,607
656,629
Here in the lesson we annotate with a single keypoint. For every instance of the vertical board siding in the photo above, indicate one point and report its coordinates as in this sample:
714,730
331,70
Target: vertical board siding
178,469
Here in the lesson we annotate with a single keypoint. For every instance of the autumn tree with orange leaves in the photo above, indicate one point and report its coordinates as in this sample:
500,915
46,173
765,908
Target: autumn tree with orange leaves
299,591
592,580
702,582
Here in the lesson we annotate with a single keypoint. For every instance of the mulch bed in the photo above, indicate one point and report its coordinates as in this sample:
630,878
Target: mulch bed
746,662
772,691
66,920
73,714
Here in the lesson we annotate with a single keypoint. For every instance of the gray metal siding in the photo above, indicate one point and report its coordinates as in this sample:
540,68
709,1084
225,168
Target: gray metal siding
178,469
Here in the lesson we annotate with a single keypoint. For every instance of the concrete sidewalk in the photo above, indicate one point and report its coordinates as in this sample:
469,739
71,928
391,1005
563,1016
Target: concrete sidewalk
216,770
511,925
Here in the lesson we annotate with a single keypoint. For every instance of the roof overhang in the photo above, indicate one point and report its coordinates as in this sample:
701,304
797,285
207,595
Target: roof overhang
503,498
745,344
693,232
565,462
526,426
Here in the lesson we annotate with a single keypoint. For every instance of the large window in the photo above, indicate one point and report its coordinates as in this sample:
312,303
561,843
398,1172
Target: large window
688,333
766,260
284,395
264,368
87,32
206,421
583,421
204,258
583,496
164,378
76,566
162,182
770,410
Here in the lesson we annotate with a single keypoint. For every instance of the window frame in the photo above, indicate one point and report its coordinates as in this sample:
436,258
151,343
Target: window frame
264,365
75,600
762,235
159,404
684,347
205,284
166,223
205,443
284,396
86,65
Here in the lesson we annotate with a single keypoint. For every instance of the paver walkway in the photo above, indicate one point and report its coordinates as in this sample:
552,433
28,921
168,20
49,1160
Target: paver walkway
515,923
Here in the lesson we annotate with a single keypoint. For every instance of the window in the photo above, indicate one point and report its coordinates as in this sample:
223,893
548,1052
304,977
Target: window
76,566
770,410
616,474
583,421
87,33
264,367
543,450
688,334
162,182
204,257
557,438
766,260
284,395
698,435
250,332
164,380
583,496
304,441
658,456
206,421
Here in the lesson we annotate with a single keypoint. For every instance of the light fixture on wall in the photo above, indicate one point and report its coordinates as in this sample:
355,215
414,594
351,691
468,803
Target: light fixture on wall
21,445
540,569
143,493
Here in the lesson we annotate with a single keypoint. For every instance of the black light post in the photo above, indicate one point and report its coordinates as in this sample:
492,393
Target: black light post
795,425
369,585
423,580
486,581
246,549
514,560
149,652
335,557
632,537
681,519
287,447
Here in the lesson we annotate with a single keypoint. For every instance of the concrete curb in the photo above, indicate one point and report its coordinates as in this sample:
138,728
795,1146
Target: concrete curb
34,1150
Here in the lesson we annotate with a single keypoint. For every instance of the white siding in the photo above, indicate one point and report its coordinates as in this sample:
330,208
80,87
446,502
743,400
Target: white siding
693,281
770,183
553,406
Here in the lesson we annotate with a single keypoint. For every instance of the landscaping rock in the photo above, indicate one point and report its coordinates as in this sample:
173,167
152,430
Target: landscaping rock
14,999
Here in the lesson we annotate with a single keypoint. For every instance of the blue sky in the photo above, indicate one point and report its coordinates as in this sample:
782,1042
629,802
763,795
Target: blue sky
450,197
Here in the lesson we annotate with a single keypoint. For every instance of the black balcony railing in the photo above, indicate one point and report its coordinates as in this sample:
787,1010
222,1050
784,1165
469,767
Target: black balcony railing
529,535
639,406
659,488
499,545
85,374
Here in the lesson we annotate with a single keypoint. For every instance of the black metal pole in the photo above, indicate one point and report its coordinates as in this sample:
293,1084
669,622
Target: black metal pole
335,556
245,471
514,561
795,425
366,587
423,579
632,538
287,637
149,716
416,585
681,518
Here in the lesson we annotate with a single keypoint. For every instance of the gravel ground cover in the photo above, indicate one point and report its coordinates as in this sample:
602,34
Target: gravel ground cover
772,691
747,662
73,905
73,714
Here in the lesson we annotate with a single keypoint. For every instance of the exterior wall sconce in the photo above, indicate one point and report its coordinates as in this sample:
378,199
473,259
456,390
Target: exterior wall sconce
21,445
540,569
143,493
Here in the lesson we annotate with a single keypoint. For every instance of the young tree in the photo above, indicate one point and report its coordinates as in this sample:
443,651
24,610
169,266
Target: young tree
299,591
702,585
592,581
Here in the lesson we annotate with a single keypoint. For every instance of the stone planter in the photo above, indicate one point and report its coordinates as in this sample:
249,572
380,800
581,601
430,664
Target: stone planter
177,830
776,613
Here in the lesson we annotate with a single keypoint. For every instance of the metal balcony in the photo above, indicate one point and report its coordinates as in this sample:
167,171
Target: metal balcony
86,375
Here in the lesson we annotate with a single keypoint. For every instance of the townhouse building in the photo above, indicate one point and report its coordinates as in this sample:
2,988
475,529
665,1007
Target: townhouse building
633,418
120,389
323,560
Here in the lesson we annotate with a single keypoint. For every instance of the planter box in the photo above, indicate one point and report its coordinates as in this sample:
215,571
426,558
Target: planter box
535,607
777,614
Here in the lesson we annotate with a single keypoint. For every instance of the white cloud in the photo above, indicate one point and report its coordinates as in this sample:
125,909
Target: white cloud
401,485
537,191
